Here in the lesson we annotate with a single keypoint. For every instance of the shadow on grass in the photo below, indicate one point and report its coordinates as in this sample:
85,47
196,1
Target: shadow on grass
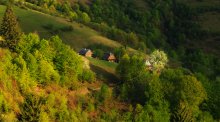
107,77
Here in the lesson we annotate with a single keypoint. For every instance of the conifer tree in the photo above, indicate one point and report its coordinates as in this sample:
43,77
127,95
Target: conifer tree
182,114
10,29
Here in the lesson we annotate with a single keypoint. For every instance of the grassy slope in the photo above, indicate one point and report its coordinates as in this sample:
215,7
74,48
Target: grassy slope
81,36
105,70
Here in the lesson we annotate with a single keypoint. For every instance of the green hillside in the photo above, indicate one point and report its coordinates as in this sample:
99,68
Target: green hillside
80,37
166,53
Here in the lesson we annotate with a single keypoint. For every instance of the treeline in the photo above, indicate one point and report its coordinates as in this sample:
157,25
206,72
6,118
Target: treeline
64,8
126,39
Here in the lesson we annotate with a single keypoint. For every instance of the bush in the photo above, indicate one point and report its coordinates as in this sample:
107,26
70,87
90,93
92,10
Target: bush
48,26
4,107
31,108
84,17
87,75
67,28
98,53
104,93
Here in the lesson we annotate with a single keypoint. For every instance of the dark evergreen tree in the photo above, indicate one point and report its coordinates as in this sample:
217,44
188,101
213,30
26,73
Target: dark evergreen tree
31,108
10,29
182,114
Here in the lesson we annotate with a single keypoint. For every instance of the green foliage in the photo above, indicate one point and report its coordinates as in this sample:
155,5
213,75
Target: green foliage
36,63
9,117
138,81
47,73
165,24
66,61
213,95
172,86
126,39
60,8
120,52
87,75
85,17
205,116
199,62
180,86
4,107
148,113
104,94
44,117
192,91
98,53
130,68
22,74
50,61
63,113
73,16
182,114
31,108
9,28
123,68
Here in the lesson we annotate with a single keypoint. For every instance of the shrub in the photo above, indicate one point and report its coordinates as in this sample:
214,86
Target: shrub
48,26
84,17
47,73
31,108
67,28
98,53
104,93
87,75
4,107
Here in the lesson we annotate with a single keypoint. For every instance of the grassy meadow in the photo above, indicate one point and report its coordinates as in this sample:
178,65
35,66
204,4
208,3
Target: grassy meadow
105,70
80,36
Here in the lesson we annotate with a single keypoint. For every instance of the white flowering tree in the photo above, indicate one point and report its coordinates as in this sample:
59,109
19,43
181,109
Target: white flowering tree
158,60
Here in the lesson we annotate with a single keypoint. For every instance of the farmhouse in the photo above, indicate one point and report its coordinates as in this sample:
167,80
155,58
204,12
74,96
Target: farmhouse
85,52
109,57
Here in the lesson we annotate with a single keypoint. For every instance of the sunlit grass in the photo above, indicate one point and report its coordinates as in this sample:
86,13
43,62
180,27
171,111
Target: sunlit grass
80,37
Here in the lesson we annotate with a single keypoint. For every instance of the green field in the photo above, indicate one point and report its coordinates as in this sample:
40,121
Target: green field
105,70
81,36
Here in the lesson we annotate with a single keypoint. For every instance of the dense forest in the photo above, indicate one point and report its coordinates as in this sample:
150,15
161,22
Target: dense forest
168,78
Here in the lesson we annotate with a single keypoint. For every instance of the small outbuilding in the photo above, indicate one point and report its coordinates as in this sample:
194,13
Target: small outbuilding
109,57
85,52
